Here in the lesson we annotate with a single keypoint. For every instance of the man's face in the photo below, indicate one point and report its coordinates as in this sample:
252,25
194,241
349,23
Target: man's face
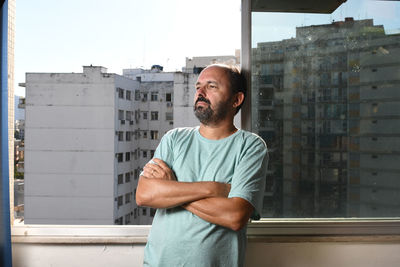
213,98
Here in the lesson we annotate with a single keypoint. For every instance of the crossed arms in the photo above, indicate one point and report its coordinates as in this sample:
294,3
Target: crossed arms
158,188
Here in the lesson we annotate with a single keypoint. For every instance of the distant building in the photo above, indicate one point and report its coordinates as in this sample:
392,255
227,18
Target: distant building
327,104
79,166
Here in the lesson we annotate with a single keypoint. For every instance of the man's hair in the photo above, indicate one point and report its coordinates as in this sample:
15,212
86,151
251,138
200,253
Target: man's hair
237,80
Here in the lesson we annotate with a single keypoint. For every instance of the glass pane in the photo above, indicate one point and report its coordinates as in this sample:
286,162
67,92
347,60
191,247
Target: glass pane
84,134
325,98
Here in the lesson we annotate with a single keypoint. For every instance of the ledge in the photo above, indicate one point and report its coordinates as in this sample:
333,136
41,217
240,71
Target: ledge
271,230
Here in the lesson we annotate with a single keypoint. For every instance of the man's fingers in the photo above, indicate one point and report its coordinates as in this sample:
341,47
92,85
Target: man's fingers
152,166
161,164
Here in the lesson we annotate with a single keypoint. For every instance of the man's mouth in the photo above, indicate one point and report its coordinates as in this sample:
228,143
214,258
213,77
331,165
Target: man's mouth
202,99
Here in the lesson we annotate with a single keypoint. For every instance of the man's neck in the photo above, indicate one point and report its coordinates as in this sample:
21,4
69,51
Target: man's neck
217,131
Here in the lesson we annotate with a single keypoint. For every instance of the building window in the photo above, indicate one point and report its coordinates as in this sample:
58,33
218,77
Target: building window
128,95
152,212
120,115
137,95
120,157
128,116
127,218
144,134
120,178
120,136
128,198
128,136
144,211
154,96
169,116
144,97
119,221
151,153
144,115
168,97
144,153
127,156
127,177
135,213
154,115
153,135
135,174
120,92
120,201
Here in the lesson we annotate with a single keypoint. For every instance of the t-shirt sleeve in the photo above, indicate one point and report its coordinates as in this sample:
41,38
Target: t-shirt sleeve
248,181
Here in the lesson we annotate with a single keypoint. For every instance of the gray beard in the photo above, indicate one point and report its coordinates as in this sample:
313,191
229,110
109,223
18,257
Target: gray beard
207,116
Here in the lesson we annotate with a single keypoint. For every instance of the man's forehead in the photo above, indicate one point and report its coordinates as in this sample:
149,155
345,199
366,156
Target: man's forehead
216,74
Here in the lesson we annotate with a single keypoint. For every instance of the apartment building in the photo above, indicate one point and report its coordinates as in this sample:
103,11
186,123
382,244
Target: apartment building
77,170
326,102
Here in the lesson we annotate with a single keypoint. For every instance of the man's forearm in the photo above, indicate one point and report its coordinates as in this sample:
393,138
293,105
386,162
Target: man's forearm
160,193
232,213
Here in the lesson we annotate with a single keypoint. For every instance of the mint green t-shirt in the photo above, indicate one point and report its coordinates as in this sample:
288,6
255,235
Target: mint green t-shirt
180,238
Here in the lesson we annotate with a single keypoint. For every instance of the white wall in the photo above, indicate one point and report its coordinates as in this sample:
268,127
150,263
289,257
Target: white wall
259,254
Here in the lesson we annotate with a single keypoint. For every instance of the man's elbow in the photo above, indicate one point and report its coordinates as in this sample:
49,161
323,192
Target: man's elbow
238,221
142,195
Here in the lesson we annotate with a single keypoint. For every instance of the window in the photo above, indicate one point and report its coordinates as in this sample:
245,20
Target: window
153,135
120,157
120,178
128,198
144,211
144,114
119,221
119,201
137,95
127,177
154,96
128,115
321,152
169,116
120,115
144,153
168,97
152,212
152,153
127,218
144,97
127,156
120,92
128,95
154,115
128,136
136,174
120,136
144,134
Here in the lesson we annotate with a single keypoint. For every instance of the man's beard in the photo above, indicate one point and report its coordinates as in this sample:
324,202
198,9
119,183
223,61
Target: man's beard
207,115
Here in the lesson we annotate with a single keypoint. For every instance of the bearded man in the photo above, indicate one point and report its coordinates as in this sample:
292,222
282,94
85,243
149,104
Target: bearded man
206,182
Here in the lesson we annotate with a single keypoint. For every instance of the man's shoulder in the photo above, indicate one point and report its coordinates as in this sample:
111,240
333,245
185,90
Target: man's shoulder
252,138
180,132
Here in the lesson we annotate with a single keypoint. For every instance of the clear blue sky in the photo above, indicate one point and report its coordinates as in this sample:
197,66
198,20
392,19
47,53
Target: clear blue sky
64,35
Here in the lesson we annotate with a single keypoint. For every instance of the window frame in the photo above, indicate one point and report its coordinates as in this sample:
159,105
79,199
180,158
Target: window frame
293,230
317,227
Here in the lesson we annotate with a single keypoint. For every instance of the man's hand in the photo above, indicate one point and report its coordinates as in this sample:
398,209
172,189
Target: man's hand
158,170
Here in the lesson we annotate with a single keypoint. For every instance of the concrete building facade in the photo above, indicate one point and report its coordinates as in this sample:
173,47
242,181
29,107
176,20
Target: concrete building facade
326,104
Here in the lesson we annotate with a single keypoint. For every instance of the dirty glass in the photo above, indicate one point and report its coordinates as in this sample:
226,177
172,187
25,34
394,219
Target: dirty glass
326,99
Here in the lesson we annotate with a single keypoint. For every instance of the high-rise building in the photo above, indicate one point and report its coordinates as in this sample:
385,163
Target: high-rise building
326,104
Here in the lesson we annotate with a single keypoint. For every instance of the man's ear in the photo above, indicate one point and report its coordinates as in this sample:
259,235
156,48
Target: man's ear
238,99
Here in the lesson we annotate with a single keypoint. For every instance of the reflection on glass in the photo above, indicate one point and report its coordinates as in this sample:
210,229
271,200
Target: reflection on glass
326,101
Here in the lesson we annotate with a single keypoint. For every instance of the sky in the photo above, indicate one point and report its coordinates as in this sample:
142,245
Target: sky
64,35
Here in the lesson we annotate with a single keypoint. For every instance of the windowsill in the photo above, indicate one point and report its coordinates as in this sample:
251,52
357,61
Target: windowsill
271,230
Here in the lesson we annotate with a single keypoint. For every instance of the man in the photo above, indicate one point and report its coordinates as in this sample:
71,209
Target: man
205,182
